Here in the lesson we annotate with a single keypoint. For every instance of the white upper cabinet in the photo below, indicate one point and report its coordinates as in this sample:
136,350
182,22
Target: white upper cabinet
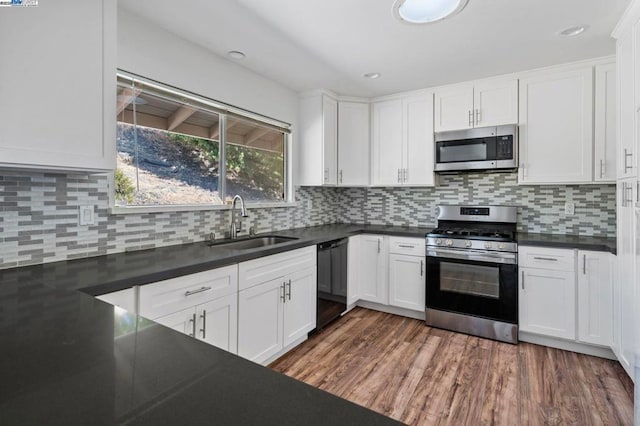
556,127
605,124
58,86
479,104
318,141
626,163
386,142
353,143
402,141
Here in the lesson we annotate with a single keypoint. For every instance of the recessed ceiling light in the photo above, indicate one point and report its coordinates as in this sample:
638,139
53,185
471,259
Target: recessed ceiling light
236,54
372,75
426,11
573,31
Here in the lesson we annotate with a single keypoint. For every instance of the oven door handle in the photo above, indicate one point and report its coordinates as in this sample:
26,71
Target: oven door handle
479,256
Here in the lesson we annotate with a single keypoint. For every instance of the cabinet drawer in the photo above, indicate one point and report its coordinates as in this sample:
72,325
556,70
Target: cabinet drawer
166,297
258,271
547,258
410,246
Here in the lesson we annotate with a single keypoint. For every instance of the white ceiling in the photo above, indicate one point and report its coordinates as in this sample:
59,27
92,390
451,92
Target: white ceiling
310,44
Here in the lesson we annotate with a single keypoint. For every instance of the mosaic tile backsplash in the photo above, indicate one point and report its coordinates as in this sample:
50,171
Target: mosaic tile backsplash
39,213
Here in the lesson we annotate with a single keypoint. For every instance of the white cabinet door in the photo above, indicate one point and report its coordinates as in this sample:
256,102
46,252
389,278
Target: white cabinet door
495,102
299,305
407,281
605,124
386,142
260,316
353,262
595,293
624,289
218,323
547,302
184,321
353,144
372,269
58,85
125,299
418,140
556,127
454,108
330,139
627,160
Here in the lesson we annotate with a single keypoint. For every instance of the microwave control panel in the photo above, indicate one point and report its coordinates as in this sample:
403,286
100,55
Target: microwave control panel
504,148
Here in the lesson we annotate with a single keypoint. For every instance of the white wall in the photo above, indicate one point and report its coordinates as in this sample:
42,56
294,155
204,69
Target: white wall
150,51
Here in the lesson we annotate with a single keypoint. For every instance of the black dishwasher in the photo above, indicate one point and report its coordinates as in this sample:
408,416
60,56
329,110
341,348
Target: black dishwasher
332,281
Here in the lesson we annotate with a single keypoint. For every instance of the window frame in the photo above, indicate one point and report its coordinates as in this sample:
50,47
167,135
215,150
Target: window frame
224,111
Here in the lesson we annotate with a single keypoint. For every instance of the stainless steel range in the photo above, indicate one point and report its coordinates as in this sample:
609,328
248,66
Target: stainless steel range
472,271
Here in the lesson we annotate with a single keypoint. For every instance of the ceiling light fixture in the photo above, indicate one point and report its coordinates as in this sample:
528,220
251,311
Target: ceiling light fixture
372,75
236,54
426,11
573,31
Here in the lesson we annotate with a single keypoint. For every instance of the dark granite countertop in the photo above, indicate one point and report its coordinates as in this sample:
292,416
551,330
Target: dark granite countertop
70,359
568,241
106,274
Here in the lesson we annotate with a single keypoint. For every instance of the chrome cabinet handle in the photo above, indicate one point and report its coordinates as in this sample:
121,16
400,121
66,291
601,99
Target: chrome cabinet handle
405,246
627,155
477,115
378,245
340,175
200,290
470,118
289,294
283,296
192,320
421,267
204,324
584,264
522,279
551,259
601,169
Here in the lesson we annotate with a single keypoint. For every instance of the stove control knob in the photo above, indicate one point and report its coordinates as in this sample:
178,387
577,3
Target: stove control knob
488,246
467,243
501,246
438,241
449,243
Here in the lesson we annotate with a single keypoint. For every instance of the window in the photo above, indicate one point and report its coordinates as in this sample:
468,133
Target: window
177,148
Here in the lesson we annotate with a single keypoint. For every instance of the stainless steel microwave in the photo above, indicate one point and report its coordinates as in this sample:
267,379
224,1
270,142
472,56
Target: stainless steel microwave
487,148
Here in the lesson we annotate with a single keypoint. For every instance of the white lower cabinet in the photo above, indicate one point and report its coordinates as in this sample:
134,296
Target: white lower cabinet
278,312
203,305
595,298
407,271
547,302
406,281
372,269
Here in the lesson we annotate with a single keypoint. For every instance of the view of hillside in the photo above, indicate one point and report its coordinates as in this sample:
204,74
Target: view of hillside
178,169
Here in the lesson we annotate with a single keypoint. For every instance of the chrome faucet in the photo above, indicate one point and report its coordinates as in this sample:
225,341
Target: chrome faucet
233,234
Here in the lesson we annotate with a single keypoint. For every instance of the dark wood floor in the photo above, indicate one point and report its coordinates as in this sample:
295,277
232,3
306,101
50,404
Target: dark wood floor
424,376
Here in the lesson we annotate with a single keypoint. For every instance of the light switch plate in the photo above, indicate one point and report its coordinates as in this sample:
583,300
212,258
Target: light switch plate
86,215
569,208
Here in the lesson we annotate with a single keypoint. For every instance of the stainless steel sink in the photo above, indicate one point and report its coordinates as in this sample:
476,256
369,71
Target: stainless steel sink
253,242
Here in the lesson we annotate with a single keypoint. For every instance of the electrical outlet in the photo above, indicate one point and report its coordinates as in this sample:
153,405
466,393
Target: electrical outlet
569,208
86,215
309,205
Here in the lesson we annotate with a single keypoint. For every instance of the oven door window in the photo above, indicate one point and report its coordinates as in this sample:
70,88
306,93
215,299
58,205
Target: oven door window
474,280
